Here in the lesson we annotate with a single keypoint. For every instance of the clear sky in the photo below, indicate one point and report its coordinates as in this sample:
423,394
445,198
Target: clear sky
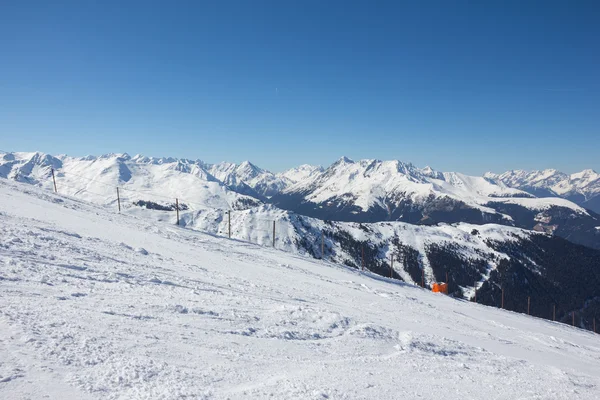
465,86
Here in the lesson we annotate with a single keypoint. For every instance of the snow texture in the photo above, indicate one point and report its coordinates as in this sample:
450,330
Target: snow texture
96,305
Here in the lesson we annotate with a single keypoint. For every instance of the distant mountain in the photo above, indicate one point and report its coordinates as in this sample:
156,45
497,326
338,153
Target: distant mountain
374,190
301,173
153,181
582,187
248,179
361,191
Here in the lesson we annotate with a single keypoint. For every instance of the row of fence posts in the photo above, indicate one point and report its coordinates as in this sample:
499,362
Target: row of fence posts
363,262
529,307
502,295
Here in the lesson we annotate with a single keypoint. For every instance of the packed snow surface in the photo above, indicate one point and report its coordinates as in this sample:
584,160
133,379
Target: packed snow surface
97,305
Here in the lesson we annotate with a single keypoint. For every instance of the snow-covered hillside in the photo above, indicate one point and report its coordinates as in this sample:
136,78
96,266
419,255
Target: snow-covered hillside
373,190
341,241
470,257
581,187
372,182
384,184
159,180
97,305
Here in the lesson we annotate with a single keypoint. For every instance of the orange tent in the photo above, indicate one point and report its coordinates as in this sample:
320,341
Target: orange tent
440,288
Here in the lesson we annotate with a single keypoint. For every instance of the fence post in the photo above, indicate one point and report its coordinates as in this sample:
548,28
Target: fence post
54,180
503,297
362,259
528,304
475,287
229,223
554,312
177,208
118,199
273,233
573,315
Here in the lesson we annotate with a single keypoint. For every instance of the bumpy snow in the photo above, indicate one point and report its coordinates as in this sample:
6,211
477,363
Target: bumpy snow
96,305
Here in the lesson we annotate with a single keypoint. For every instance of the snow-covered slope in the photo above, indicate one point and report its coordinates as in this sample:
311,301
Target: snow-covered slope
158,180
580,187
96,305
373,190
374,183
470,257
341,241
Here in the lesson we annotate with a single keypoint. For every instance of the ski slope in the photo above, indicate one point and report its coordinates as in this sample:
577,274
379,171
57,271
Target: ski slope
95,305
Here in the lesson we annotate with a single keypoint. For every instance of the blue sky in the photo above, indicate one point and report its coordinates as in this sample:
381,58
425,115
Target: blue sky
466,86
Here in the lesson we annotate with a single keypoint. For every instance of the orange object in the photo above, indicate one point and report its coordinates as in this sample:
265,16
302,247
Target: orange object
440,288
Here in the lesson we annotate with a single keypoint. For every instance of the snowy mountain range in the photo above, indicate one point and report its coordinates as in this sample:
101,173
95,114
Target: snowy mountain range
351,191
374,191
158,180
582,187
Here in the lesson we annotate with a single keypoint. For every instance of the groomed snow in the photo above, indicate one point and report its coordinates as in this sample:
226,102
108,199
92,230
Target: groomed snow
95,305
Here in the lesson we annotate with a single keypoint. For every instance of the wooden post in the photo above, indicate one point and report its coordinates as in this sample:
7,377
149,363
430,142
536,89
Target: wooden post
392,265
362,258
447,286
229,222
528,304
503,297
475,287
554,313
573,315
273,233
322,245
177,208
54,180
118,199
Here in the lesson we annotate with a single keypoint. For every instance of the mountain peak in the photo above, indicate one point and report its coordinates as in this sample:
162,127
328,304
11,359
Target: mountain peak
588,171
249,169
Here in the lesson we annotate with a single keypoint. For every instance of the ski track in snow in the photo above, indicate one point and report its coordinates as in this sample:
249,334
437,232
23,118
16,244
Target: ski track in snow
95,305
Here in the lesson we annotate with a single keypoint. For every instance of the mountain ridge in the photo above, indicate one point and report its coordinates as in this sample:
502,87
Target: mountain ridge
581,187
368,190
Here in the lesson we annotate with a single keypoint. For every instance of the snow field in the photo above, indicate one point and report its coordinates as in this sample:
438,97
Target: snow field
95,305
